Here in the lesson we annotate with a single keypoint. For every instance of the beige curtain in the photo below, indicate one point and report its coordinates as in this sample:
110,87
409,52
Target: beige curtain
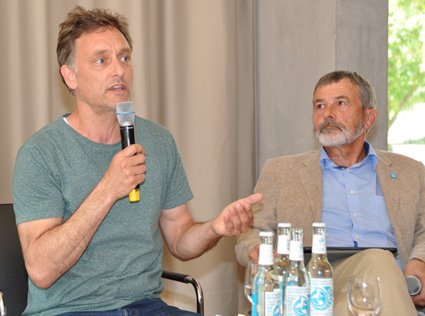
193,73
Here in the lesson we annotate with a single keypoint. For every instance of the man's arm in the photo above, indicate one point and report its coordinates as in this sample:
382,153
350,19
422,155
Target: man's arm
52,246
187,239
247,244
416,265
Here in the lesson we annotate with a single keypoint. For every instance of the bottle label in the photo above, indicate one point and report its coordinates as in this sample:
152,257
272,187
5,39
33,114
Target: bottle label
297,301
271,303
254,299
319,244
282,294
297,251
283,244
321,297
266,254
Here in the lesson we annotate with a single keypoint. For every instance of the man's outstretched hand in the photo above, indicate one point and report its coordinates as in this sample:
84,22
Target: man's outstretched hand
237,217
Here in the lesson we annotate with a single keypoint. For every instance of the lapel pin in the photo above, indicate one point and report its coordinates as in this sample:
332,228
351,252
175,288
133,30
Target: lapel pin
393,175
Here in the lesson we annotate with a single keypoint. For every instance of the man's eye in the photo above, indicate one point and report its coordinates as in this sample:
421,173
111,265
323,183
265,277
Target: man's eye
319,106
125,58
342,103
100,61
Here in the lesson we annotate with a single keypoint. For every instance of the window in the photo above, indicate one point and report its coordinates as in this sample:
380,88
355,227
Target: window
406,78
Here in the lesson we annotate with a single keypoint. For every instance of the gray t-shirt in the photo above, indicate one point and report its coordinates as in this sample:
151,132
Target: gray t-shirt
55,171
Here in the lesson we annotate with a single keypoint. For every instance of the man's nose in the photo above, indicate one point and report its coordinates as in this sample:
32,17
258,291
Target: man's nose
118,67
330,110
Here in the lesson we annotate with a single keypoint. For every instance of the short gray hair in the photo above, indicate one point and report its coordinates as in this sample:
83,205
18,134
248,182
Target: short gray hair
367,95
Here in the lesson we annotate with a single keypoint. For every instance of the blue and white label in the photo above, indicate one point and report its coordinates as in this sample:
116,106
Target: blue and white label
321,297
319,244
254,298
297,301
271,303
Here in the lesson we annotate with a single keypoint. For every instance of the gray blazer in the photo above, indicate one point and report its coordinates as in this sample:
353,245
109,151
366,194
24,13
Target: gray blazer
292,188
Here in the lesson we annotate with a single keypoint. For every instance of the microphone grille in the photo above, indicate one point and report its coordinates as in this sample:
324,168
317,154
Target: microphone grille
413,285
125,113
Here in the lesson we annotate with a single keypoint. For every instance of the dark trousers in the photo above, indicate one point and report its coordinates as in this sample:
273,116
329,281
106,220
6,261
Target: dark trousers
147,306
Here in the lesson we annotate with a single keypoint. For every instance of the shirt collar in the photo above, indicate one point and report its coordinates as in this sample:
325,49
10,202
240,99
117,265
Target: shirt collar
326,162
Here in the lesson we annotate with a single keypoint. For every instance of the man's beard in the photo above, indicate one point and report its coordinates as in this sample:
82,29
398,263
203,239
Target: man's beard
339,135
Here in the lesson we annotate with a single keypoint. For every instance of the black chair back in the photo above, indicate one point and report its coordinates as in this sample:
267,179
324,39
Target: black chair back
13,276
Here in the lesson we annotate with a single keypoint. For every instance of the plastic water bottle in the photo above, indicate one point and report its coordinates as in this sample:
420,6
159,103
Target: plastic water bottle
297,288
320,272
266,288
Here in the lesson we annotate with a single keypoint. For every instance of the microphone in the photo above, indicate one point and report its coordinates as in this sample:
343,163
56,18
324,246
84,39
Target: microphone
413,285
126,116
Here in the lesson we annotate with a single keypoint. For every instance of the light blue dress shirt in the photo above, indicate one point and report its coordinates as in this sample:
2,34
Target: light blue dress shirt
354,209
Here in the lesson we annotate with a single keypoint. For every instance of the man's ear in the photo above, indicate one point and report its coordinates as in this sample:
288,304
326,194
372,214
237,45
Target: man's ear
370,118
68,75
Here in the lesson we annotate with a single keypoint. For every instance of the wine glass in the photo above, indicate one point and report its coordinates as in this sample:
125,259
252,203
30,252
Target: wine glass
364,295
250,272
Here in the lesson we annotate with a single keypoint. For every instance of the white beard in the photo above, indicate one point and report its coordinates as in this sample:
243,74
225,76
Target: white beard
339,136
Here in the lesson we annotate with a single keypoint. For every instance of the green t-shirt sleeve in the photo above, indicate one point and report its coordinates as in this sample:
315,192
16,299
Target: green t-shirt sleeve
36,189
178,190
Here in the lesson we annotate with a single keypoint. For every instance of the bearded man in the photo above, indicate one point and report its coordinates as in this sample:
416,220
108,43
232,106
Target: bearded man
366,197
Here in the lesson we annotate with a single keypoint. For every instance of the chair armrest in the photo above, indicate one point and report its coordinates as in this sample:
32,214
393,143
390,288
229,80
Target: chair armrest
2,307
185,278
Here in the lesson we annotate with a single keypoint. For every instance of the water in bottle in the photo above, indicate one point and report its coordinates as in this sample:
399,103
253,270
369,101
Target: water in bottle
297,285
266,288
281,262
320,272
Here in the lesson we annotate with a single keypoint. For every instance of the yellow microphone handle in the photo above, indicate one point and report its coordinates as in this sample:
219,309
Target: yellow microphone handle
134,195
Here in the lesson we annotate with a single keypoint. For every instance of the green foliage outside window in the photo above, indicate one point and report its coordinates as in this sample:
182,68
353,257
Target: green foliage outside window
406,55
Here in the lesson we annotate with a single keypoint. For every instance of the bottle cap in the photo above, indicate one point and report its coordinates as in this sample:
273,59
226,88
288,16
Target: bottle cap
266,234
285,225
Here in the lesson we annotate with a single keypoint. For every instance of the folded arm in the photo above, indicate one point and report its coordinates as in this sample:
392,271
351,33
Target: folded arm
52,246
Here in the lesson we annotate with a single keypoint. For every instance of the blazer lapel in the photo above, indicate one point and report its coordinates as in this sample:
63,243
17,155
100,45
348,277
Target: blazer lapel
311,178
388,179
